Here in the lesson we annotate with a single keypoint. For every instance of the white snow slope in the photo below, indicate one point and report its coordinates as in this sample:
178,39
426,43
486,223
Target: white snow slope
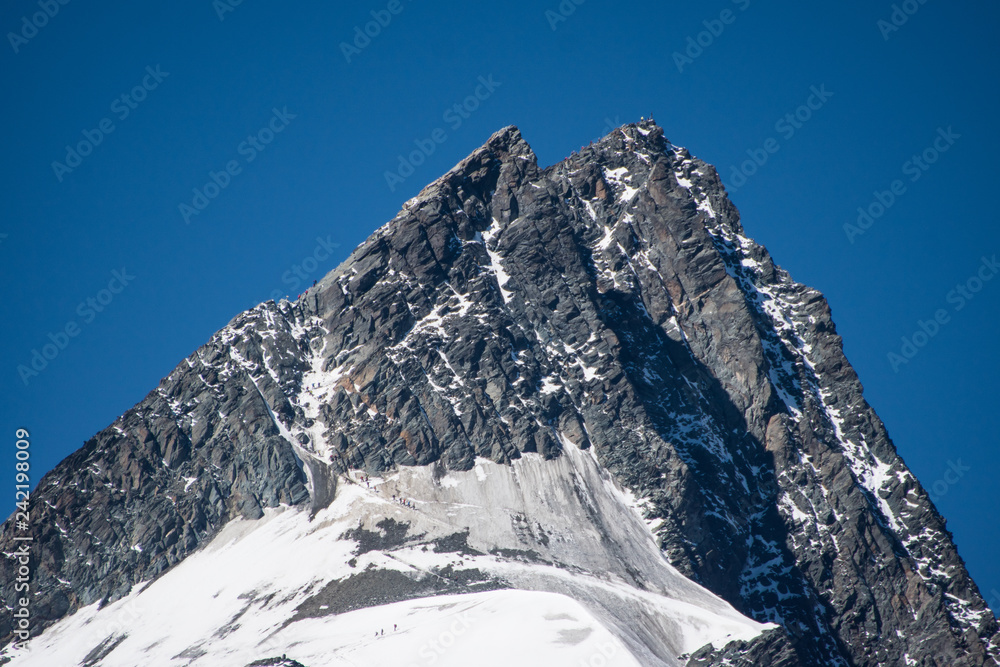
586,583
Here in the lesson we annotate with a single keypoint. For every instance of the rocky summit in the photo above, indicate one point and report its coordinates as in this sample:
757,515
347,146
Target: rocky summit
574,411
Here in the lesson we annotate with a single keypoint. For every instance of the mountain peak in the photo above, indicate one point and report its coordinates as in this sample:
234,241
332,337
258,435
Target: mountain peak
644,132
582,381
508,143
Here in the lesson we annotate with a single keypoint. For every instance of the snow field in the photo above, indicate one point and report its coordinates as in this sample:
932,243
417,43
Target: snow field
589,586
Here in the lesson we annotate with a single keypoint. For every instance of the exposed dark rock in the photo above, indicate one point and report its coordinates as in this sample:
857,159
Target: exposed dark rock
392,534
613,300
455,543
102,650
276,662
771,649
375,587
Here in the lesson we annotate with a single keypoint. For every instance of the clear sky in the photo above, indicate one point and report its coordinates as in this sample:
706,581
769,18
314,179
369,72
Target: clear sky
300,131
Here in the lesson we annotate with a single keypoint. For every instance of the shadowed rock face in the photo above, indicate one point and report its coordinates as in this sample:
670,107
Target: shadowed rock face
611,300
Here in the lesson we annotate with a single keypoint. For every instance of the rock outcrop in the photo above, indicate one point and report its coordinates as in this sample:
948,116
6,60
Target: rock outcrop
612,300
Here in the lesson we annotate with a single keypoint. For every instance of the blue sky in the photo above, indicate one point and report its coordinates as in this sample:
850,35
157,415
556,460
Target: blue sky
299,133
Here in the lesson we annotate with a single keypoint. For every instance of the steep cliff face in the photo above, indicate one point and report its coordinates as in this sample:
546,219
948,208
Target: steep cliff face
610,303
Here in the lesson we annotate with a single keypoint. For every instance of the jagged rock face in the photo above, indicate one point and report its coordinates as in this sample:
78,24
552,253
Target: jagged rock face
611,300
770,649
137,498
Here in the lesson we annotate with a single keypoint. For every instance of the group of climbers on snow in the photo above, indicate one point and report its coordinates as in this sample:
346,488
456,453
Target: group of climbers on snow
405,502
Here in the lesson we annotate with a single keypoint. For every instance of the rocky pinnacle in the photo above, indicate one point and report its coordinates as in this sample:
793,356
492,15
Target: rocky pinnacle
612,299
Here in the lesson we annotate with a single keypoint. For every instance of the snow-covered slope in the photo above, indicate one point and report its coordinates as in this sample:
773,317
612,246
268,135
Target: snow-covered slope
574,577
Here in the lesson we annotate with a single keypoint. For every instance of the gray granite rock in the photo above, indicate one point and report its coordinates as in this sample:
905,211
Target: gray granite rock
612,300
